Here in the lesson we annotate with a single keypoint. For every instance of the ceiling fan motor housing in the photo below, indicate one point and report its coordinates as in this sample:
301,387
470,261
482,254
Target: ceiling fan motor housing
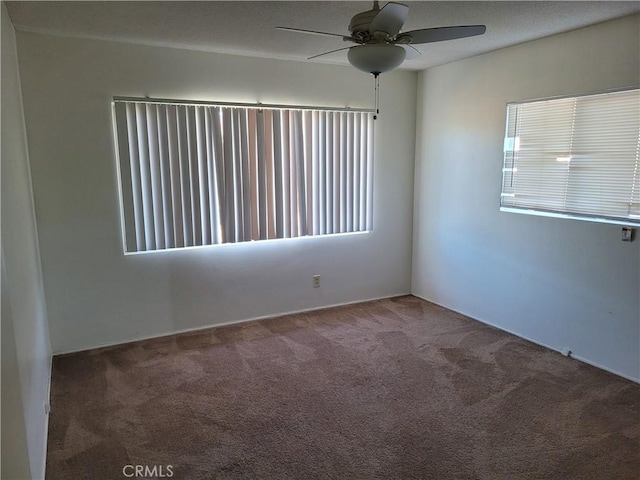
360,22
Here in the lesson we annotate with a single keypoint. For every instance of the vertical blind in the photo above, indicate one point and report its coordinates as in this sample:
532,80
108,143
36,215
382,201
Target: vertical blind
208,174
578,156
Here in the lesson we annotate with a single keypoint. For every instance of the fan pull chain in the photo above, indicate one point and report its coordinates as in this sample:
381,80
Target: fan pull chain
377,95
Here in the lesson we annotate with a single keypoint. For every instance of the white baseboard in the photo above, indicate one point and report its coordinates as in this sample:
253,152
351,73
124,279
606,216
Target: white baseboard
223,324
606,369
537,342
293,312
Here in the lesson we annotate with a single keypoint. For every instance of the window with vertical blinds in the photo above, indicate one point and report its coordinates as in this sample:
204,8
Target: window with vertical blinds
202,174
575,156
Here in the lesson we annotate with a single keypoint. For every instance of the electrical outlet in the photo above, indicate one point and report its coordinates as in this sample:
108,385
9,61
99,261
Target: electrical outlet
627,234
316,281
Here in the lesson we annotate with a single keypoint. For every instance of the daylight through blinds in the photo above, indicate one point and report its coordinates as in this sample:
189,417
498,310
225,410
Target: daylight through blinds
577,156
205,174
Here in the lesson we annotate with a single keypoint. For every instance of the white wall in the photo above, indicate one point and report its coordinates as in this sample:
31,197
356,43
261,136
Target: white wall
562,283
96,295
14,450
26,352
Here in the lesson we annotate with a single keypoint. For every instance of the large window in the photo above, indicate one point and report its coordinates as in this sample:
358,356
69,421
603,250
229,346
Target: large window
574,156
203,174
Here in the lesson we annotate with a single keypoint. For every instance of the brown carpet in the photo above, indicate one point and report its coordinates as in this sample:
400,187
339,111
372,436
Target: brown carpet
397,388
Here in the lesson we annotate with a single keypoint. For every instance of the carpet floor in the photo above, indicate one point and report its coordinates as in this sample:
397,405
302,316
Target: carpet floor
390,389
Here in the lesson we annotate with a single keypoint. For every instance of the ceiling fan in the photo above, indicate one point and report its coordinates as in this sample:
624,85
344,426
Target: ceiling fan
381,46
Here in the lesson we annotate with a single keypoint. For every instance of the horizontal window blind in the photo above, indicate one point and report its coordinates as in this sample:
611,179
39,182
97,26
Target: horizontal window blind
205,174
577,156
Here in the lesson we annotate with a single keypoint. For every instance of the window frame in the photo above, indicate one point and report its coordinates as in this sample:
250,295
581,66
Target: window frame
510,142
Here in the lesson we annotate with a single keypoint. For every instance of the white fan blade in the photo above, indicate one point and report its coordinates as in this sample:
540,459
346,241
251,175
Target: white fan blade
412,52
429,35
327,53
390,19
313,32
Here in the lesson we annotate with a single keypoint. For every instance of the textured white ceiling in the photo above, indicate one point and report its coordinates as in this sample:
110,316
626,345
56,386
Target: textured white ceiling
247,28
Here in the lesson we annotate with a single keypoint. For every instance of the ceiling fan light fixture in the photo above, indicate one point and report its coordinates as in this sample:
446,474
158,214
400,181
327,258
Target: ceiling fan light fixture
376,58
